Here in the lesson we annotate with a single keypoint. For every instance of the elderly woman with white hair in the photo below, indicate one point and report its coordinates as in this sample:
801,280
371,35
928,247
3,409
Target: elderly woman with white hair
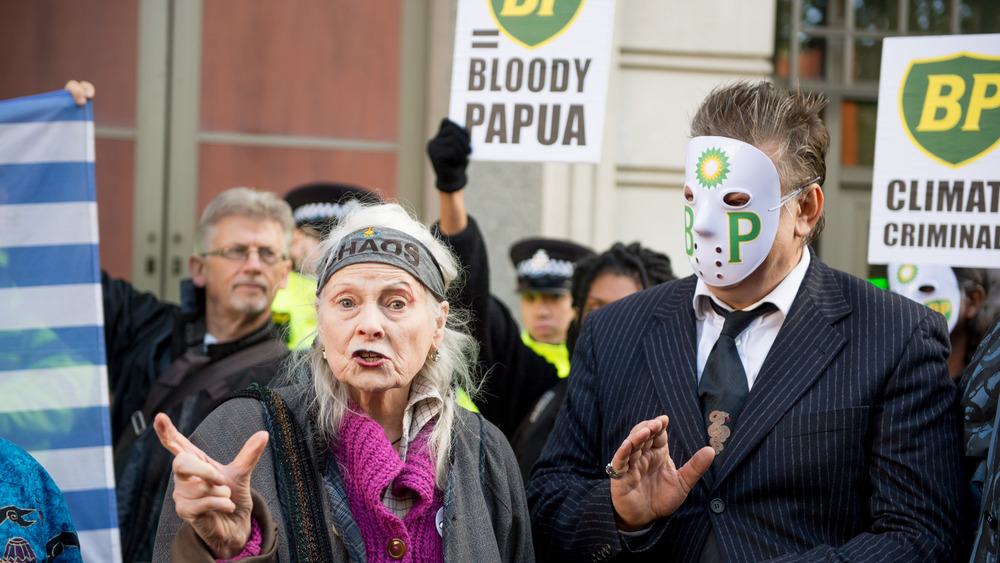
370,459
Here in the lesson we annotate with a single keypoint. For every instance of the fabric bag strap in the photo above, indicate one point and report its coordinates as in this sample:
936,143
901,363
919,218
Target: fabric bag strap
299,487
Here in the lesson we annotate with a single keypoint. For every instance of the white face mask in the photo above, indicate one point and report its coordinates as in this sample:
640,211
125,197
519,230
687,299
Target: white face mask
933,286
733,207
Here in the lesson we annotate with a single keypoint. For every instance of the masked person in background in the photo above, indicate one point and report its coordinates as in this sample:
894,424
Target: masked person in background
957,293
810,413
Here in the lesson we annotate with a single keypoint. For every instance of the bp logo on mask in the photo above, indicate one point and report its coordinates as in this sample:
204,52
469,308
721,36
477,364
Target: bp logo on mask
532,23
942,306
906,274
950,106
712,167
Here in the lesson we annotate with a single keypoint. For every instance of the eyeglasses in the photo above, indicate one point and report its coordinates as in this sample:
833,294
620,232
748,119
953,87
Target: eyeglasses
240,253
794,193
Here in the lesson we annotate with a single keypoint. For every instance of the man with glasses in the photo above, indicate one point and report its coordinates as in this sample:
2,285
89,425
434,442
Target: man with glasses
182,359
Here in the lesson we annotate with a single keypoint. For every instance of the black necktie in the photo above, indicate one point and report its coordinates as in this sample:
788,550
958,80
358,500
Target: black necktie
723,388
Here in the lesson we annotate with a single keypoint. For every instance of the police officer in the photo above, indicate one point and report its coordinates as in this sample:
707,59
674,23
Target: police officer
544,272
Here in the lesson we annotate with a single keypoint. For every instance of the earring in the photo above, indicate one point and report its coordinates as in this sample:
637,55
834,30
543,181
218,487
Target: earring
437,355
324,353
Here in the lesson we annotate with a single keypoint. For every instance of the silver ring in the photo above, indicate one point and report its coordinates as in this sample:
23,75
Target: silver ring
610,470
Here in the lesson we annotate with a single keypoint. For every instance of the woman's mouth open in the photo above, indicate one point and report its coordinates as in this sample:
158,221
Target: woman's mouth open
369,359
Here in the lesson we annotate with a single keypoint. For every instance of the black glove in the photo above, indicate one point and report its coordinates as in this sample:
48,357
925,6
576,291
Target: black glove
449,152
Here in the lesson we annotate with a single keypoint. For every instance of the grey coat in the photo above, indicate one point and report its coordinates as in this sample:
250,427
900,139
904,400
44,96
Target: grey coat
485,512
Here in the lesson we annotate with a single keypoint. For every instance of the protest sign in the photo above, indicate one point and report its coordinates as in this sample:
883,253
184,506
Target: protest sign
936,182
529,78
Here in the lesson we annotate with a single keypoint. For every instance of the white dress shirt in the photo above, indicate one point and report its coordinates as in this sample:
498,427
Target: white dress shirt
755,341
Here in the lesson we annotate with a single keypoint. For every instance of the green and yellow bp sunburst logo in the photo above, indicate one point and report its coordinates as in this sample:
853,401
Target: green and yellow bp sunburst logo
906,273
712,167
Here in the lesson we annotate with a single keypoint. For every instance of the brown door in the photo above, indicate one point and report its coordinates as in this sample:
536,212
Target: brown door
195,97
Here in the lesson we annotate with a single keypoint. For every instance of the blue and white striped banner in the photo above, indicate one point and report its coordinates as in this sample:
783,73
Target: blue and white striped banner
53,374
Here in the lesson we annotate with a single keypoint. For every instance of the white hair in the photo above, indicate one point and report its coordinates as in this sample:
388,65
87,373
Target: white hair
458,350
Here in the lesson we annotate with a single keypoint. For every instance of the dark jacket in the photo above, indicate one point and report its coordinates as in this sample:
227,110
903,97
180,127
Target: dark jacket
485,514
531,436
515,376
847,448
138,330
144,338
981,385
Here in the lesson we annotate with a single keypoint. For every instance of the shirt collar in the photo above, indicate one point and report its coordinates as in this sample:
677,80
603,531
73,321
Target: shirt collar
424,404
781,296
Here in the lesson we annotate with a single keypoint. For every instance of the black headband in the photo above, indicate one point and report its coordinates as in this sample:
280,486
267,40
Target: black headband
385,246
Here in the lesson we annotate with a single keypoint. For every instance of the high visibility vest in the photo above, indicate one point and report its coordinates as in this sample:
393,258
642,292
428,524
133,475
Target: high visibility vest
555,354
294,310
463,400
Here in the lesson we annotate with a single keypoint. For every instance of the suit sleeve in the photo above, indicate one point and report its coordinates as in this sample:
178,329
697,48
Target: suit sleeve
916,496
568,492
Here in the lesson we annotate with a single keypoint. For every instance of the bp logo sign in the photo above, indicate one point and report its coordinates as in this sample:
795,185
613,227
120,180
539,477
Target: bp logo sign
950,106
533,23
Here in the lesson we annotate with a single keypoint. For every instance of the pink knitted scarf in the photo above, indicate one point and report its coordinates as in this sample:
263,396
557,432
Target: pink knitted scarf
369,464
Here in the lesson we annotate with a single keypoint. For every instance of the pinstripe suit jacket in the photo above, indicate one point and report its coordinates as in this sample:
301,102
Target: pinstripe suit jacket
847,448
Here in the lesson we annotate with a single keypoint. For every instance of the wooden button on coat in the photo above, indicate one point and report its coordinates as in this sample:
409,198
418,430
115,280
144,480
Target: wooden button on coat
397,549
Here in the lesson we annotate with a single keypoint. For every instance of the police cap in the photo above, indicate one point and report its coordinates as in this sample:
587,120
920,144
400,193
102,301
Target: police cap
321,205
546,265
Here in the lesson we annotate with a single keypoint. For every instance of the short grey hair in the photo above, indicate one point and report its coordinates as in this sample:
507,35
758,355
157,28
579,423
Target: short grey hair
245,202
458,351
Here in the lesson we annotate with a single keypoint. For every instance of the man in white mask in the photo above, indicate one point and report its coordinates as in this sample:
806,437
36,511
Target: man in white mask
809,411
933,286
959,294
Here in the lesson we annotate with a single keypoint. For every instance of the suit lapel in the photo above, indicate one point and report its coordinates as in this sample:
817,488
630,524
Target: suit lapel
671,355
805,346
